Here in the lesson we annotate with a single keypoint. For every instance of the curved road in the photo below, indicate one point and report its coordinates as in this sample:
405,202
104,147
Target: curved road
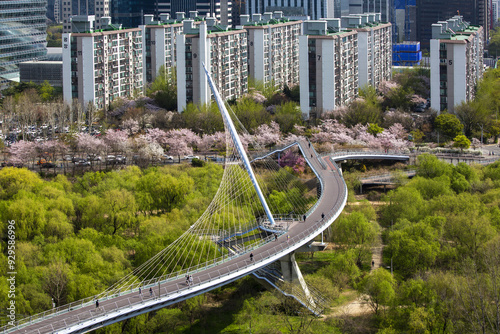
85,317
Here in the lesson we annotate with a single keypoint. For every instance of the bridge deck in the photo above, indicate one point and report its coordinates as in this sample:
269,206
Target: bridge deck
128,304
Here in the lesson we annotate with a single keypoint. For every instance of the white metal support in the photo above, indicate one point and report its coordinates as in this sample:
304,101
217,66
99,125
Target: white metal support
239,146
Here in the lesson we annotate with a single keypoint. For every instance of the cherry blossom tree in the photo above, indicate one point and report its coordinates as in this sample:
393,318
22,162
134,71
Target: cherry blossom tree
51,149
156,135
291,138
147,150
186,135
117,140
23,152
90,145
268,135
331,131
294,160
177,147
131,126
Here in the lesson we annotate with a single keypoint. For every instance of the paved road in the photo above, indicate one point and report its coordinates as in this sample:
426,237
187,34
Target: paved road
331,204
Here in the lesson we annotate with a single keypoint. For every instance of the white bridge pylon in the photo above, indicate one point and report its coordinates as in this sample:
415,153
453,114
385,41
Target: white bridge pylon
239,146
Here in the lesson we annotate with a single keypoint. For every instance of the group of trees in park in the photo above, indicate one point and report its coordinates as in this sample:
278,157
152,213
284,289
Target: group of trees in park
440,229
441,232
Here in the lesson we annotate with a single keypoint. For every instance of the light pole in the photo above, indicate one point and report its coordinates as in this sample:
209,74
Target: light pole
481,126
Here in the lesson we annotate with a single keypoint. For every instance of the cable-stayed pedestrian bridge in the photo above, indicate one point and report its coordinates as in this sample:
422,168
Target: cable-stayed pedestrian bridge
250,214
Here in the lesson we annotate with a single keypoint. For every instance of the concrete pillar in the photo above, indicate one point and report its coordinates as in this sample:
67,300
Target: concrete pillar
291,273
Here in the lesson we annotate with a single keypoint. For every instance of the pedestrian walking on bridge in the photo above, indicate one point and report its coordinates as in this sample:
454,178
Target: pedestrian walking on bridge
251,257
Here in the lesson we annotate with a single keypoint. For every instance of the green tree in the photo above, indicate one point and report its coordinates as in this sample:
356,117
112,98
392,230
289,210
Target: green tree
472,115
251,114
356,232
379,287
12,180
413,247
119,208
430,166
374,129
46,91
494,42
287,116
164,88
448,125
203,119
462,142
361,112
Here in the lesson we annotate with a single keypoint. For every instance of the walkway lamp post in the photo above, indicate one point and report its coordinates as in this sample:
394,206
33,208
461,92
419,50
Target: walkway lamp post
481,126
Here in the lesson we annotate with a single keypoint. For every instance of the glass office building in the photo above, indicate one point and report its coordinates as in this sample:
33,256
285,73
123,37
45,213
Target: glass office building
22,35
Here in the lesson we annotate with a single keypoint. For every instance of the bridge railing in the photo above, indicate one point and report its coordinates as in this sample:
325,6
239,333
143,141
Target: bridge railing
369,153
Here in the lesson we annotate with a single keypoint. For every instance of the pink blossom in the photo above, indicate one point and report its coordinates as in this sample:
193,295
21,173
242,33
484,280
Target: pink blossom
156,135
23,151
131,126
117,140
387,86
398,131
268,135
90,145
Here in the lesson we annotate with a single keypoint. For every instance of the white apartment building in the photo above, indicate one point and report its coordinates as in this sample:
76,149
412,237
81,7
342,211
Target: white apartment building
328,66
98,9
273,48
101,66
456,62
159,43
224,53
374,47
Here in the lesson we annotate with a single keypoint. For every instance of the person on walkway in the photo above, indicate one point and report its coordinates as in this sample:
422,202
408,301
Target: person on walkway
373,263
323,216
309,145
275,237
304,218
96,304
187,279
140,291
190,279
287,238
251,257
150,292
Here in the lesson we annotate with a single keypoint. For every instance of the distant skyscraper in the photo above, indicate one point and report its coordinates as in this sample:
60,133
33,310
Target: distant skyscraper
23,34
84,7
130,13
220,9
432,11
299,9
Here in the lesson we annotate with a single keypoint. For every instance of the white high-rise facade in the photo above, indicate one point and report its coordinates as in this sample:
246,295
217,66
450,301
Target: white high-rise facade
273,48
456,62
224,53
101,66
328,67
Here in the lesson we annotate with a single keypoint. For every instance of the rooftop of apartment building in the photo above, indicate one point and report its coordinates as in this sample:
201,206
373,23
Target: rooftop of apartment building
165,19
454,29
84,24
266,19
336,26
